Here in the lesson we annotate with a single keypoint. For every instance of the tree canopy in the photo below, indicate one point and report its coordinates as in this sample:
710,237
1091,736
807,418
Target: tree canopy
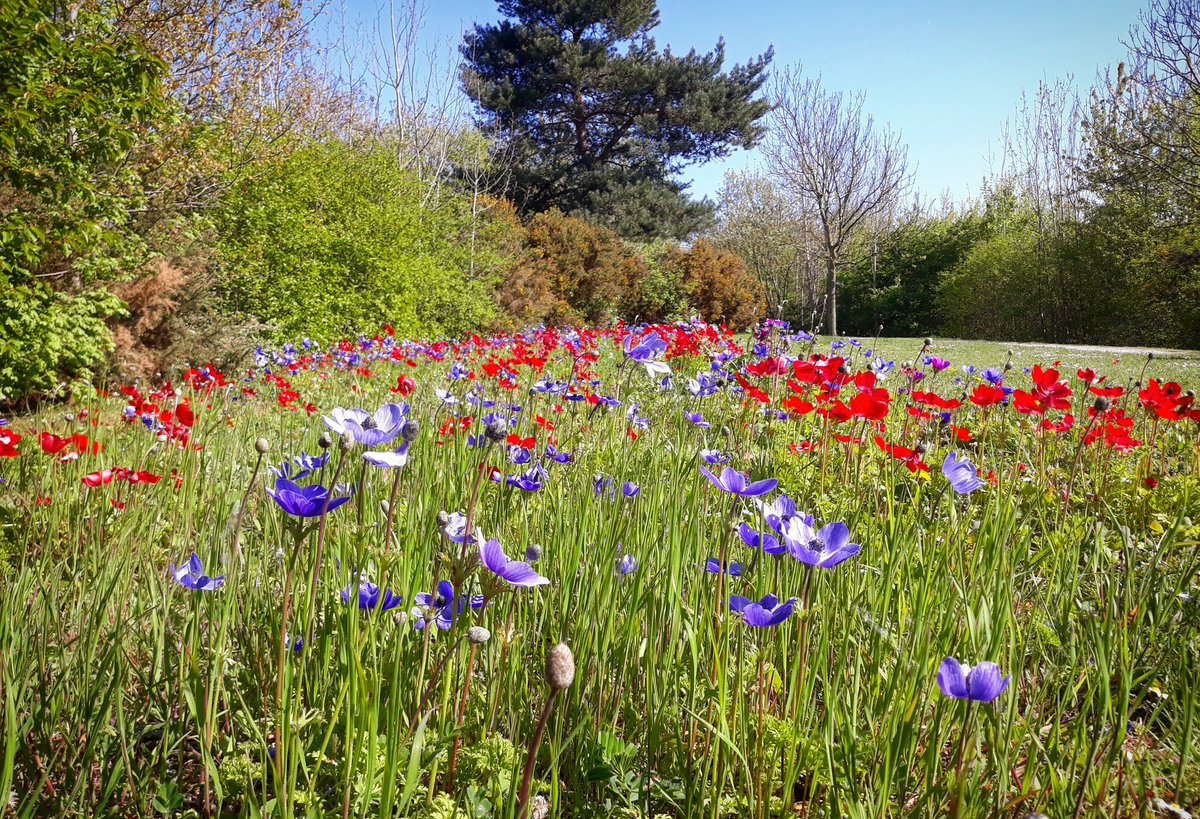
595,119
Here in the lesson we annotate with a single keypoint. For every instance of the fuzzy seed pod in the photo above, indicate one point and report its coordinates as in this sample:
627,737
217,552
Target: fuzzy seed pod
1101,404
262,445
324,441
560,667
495,432
409,432
346,442
533,553
478,635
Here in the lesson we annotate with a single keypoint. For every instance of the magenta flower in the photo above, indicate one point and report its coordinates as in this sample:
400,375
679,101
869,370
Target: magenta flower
735,483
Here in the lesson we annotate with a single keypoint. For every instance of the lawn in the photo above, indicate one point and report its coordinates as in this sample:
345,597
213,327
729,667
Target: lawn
793,581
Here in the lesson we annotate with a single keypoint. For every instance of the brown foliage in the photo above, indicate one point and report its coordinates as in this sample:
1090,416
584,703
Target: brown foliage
719,286
568,271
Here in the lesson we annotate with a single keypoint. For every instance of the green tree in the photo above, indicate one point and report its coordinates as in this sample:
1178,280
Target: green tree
597,120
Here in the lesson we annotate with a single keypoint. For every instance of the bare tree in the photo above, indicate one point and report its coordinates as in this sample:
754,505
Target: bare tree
829,155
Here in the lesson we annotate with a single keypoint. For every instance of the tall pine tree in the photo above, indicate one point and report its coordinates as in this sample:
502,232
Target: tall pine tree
596,121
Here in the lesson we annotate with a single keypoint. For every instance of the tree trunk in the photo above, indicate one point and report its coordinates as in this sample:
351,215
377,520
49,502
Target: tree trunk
831,294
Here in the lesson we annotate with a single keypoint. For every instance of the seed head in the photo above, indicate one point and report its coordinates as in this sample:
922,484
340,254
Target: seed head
495,432
478,635
262,445
560,667
1101,404
409,432
533,553
324,441
346,442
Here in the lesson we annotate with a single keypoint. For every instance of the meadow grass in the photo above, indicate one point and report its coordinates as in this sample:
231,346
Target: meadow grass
1075,569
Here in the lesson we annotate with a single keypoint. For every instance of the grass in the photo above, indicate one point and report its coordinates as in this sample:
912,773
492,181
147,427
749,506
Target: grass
126,694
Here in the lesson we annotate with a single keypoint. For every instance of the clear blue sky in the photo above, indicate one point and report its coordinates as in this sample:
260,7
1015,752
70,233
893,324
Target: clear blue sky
945,74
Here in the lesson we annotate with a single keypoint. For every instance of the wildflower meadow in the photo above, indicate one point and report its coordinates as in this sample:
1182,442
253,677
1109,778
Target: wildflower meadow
630,571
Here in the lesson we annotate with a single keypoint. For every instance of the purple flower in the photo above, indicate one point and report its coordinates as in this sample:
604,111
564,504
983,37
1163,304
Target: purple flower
713,566
626,564
367,429
714,457
760,540
736,483
697,419
370,597
823,549
765,613
388,460
961,473
442,605
191,576
647,352
630,489
938,364
299,467
962,682
303,502
530,481
558,457
512,572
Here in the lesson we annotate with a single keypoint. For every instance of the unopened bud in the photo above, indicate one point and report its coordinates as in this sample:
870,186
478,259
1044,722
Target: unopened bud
443,517
533,553
560,667
1007,366
409,432
385,507
346,442
921,448
928,343
262,445
325,441
1150,356
478,635
69,417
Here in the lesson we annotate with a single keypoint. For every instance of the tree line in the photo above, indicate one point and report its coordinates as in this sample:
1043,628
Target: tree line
182,179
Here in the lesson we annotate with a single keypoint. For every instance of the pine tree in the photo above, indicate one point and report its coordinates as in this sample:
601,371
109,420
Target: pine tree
595,120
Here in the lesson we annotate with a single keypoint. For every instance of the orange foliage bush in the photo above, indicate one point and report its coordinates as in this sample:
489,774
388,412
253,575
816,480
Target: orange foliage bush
718,285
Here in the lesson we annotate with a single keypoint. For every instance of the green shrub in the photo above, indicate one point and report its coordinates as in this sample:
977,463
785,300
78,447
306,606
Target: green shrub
335,239
49,338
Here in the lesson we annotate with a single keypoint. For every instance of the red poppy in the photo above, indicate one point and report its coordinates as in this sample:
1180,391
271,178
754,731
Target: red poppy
8,443
911,458
985,395
404,385
101,478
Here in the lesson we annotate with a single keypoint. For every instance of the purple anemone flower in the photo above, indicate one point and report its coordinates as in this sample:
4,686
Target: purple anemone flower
303,501
442,606
765,613
512,572
736,483
697,419
760,540
962,682
630,489
388,460
367,429
714,457
191,576
713,566
371,597
823,549
626,564
961,473
530,481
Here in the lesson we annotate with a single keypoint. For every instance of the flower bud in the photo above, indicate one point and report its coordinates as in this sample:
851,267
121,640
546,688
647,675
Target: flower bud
560,667
495,432
443,517
262,445
921,448
324,441
478,635
409,432
1150,356
533,553
346,442
384,507
69,417
928,342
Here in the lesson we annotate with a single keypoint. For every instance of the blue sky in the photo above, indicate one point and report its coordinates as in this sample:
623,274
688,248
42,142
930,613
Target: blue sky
945,74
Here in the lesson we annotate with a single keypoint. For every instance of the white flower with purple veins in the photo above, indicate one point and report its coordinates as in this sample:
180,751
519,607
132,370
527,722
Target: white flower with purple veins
444,396
388,460
366,428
